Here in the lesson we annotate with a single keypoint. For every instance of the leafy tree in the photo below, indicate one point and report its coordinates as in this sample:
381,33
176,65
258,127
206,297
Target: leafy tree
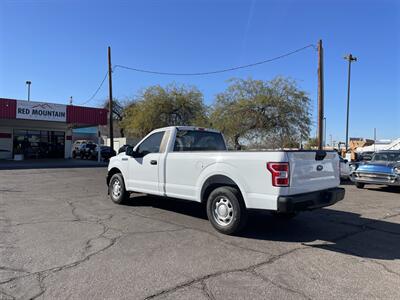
311,143
158,107
271,114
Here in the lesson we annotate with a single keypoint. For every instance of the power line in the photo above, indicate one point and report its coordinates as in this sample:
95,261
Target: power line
216,71
197,73
95,93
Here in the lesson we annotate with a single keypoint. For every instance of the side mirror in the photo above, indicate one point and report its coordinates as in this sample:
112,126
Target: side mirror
129,151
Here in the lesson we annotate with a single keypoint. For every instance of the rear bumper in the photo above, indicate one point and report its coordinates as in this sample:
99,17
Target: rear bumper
309,201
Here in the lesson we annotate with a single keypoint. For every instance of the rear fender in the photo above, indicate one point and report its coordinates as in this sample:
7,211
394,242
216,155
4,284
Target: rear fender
224,170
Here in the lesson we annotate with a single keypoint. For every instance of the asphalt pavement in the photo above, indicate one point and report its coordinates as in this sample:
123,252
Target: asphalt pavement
62,238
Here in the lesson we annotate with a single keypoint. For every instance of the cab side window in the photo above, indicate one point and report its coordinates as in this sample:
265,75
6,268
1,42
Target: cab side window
151,144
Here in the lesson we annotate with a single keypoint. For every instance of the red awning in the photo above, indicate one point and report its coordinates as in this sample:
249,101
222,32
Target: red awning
86,115
8,108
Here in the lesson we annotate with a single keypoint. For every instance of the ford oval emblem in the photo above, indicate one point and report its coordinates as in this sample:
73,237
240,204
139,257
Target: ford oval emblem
320,167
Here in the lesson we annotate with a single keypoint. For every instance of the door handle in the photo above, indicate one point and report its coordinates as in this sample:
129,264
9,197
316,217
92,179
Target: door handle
153,162
125,158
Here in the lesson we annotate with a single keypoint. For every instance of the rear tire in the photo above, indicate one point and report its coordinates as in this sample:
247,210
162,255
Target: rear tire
226,210
360,185
116,189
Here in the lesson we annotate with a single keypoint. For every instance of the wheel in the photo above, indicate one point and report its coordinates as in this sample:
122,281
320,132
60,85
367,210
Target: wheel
226,210
116,189
360,185
285,216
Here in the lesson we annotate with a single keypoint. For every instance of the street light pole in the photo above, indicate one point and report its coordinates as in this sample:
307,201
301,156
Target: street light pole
29,89
350,58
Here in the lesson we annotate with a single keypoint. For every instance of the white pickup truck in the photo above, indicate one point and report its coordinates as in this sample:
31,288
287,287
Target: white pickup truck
194,164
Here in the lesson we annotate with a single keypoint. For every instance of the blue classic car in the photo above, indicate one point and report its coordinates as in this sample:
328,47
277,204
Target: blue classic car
383,168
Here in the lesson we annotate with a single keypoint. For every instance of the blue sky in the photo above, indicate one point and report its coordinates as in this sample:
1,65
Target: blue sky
61,46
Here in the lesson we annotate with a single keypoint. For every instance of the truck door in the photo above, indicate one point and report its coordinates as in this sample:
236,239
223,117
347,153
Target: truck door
144,170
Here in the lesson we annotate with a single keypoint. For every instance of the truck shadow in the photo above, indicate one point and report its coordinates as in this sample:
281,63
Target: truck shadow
333,230
328,229
388,189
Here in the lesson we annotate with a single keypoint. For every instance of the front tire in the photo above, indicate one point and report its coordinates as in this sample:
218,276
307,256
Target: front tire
226,210
116,189
360,185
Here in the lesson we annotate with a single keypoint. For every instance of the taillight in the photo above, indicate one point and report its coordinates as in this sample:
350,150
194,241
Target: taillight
279,172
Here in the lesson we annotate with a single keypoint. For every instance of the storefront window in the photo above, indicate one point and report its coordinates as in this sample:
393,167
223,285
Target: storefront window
39,144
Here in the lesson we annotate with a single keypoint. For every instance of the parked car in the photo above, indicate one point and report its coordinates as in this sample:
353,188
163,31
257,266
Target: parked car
105,153
123,148
382,169
86,150
344,166
76,147
193,164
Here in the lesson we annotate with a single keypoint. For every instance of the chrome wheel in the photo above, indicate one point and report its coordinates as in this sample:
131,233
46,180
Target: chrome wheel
116,188
223,211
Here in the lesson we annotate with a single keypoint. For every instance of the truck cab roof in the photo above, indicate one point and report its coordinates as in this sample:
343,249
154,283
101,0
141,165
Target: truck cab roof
186,128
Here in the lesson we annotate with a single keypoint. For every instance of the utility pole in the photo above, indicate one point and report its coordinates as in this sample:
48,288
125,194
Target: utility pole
324,131
374,139
320,94
350,58
29,89
110,101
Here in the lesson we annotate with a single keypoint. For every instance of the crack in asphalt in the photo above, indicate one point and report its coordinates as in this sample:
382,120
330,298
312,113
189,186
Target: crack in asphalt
280,286
205,290
42,287
9,297
42,274
384,267
202,231
77,217
219,273
252,268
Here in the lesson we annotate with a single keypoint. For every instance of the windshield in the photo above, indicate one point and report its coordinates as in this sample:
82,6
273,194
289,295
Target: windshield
386,156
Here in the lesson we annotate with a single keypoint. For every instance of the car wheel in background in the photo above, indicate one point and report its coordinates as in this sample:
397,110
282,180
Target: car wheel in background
226,210
360,185
116,189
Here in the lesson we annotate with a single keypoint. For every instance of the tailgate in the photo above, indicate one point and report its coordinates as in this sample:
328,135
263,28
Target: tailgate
312,171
